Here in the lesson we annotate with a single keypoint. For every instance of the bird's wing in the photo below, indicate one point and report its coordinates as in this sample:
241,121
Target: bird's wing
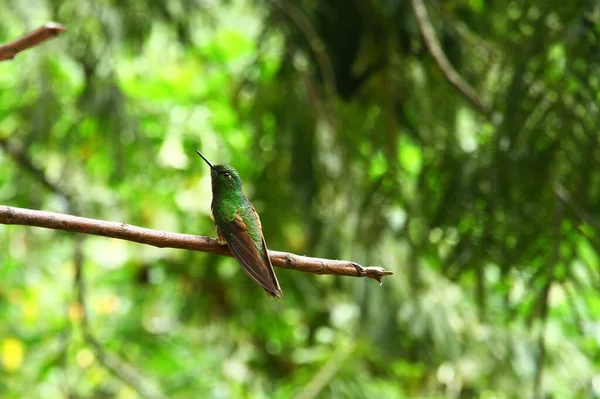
255,262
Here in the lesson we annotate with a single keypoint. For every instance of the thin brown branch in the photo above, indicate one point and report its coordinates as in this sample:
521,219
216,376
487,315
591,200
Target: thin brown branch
163,239
31,39
435,49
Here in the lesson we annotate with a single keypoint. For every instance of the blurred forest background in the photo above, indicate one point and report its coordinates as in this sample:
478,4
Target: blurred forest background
454,142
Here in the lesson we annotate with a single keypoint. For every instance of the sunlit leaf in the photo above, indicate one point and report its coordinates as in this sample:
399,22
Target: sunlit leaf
13,352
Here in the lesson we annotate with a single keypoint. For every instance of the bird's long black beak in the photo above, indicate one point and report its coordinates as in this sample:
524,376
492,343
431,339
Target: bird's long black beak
205,160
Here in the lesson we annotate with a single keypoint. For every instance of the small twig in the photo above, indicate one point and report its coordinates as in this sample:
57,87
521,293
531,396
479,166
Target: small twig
31,39
163,239
435,49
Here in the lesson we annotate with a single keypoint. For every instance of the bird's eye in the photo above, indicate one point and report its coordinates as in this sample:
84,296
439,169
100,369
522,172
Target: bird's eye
226,174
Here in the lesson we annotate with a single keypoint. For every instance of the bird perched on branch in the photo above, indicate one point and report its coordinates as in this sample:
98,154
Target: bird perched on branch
238,226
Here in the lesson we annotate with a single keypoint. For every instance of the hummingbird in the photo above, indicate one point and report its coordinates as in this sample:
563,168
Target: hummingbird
238,226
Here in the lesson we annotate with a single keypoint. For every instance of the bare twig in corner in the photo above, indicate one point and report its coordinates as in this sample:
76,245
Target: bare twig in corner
435,49
31,39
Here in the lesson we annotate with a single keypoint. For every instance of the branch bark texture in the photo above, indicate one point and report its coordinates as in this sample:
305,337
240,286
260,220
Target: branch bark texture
31,39
163,239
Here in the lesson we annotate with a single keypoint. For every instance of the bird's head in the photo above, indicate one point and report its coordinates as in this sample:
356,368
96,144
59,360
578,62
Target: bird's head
223,177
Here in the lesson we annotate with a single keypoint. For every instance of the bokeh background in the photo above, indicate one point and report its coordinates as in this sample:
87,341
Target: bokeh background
353,144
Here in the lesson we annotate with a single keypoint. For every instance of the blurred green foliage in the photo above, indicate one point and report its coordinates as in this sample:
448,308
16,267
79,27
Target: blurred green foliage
352,145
